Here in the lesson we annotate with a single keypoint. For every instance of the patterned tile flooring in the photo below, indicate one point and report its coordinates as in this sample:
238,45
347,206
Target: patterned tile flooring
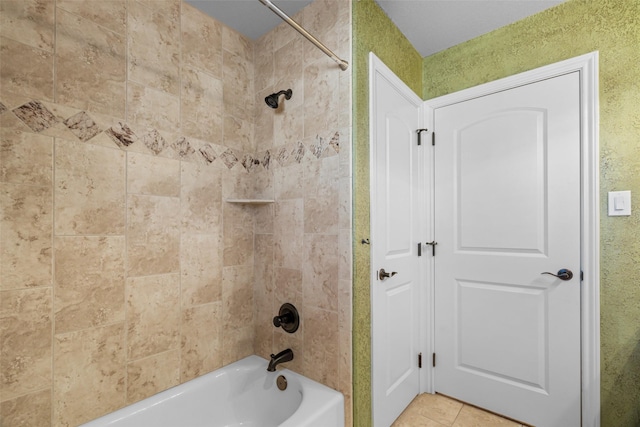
435,410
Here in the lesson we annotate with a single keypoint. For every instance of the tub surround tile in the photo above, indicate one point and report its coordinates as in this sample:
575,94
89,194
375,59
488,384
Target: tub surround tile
201,107
89,374
154,47
26,226
30,21
149,107
288,286
169,8
237,44
111,14
321,94
152,175
264,62
152,375
288,63
201,41
201,346
153,315
89,189
238,344
320,271
153,235
25,335
30,410
201,199
26,158
237,298
90,65
237,86
201,269
238,235
238,134
321,341
89,282
24,70
195,266
289,124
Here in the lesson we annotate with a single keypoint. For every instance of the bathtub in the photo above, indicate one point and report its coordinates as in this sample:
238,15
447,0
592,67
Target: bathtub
241,394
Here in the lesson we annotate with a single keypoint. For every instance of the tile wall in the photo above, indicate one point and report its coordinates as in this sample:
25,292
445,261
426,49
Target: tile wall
124,126
303,240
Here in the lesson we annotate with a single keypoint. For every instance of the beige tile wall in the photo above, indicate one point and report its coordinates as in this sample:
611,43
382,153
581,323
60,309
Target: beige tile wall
124,126
303,241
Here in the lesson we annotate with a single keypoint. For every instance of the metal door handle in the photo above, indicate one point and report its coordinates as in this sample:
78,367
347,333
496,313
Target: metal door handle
383,274
563,274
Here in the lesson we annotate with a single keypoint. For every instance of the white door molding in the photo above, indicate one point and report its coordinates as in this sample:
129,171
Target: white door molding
587,66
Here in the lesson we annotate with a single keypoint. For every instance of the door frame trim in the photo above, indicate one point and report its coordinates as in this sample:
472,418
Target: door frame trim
587,66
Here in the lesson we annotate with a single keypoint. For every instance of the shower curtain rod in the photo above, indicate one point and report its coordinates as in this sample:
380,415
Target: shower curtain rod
275,9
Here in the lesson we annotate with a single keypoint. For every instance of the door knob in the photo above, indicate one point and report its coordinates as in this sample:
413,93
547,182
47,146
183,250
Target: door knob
383,274
563,274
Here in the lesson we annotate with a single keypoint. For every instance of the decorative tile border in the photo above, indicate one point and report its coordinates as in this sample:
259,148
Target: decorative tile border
39,119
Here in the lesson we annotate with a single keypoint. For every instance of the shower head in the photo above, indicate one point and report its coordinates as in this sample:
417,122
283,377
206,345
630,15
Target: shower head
272,100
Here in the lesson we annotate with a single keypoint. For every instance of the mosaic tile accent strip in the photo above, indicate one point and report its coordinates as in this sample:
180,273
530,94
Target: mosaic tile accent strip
266,160
298,152
82,126
208,153
122,135
183,148
249,162
36,116
229,158
335,142
318,147
154,142
282,156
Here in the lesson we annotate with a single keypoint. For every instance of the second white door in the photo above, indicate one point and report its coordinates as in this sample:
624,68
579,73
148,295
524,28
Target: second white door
507,210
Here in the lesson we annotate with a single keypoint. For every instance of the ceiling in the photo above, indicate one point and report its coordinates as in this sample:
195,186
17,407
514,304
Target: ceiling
430,25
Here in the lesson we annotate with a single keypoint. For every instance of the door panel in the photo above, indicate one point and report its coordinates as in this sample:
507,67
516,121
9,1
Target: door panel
502,154
395,233
507,208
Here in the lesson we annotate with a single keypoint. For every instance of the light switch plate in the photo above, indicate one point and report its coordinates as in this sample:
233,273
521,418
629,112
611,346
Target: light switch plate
619,203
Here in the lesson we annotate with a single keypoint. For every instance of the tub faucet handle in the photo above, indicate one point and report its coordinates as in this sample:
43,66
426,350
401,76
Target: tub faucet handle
288,318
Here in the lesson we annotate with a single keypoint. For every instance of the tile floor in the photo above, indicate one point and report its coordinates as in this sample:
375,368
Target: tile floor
435,410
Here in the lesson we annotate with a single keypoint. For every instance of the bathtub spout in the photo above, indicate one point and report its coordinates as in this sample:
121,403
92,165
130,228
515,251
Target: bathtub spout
276,359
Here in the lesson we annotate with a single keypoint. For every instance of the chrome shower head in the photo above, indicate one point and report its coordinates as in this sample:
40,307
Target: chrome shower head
272,100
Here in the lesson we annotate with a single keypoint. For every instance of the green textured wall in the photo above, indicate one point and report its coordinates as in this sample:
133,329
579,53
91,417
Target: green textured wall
373,32
579,26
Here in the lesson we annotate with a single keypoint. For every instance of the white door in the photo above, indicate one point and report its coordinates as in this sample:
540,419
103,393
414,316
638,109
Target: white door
396,194
507,208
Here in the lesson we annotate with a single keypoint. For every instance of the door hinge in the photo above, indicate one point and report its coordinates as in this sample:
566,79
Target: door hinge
433,138
419,249
433,360
581,275
419,132
433,247
419,360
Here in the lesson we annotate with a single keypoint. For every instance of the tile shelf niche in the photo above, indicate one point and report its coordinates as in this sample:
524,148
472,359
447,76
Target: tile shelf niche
250,201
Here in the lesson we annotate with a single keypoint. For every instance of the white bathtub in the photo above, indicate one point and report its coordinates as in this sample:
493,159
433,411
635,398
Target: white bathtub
242,394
